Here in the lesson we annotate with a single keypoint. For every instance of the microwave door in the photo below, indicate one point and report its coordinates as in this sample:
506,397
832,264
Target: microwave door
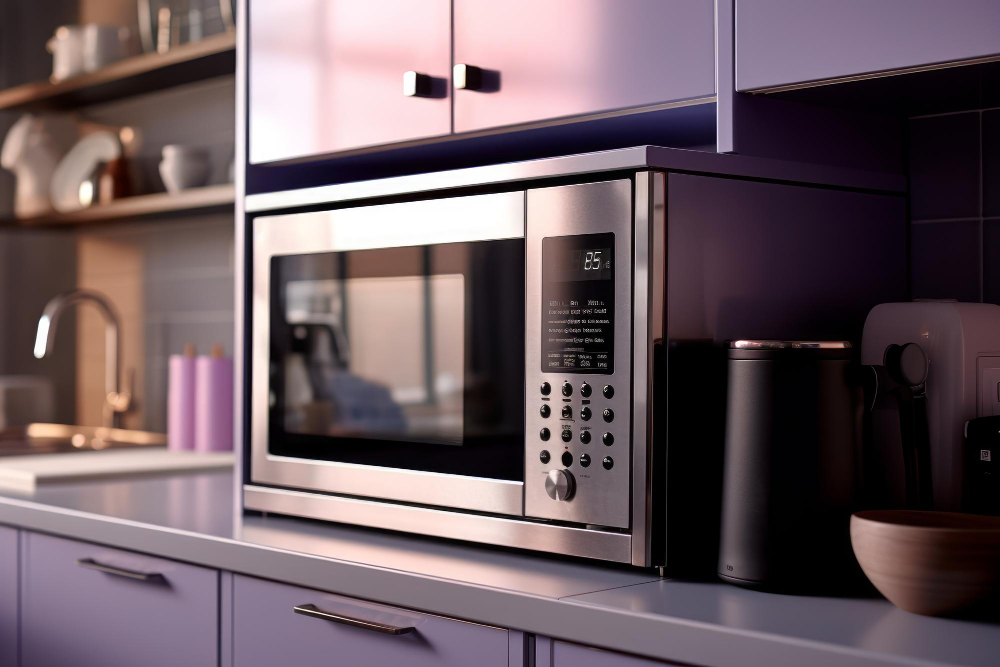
396,369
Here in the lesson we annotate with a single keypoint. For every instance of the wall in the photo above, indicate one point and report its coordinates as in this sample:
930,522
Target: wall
954,168
171,279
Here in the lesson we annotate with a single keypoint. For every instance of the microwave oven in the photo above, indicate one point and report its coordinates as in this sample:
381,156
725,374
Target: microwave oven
482,354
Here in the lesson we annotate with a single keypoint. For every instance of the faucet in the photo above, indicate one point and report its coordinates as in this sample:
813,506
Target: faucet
116,400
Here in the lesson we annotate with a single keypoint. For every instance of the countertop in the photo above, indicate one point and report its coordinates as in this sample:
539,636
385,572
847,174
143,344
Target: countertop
191,518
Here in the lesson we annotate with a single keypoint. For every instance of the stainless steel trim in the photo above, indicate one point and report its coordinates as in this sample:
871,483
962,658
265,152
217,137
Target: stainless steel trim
872,75
502,129
313,611
150,577
790,344
520,534
584,163
641,375
391,225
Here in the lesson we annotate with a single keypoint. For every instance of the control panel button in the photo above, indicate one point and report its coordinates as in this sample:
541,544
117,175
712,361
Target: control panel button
609,415
567,389
608,439
544,456
560,485
546,389
608,391
567,435
585,437
586,414
567,412
567,459
585,390
545,410
584,460
544,434
608,463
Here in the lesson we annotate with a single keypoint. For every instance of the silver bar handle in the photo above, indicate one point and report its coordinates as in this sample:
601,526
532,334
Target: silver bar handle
315,612
91,564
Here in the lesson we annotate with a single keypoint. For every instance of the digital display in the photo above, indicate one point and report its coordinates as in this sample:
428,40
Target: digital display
578,292
582,264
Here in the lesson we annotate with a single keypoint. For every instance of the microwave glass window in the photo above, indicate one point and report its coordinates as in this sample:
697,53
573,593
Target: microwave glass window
377,358
578,304
407,358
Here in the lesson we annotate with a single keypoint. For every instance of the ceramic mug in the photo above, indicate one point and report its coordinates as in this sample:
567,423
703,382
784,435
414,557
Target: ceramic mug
66,47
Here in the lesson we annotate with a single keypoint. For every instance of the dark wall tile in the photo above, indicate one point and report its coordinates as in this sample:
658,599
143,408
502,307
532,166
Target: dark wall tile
945,260
944,166
991,163
991,261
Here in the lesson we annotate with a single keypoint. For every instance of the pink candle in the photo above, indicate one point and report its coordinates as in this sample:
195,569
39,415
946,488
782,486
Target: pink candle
180,400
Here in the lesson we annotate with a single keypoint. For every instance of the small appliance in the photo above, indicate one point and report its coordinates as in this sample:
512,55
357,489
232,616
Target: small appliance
962,344
522,355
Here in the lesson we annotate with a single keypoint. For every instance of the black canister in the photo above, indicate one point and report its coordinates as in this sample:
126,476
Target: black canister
792,464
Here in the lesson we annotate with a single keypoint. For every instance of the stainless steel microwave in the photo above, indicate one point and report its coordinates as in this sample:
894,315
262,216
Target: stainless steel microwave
473,355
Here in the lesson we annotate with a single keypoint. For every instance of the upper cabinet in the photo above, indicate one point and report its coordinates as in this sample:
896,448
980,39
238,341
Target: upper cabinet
789,43
543,60
327,76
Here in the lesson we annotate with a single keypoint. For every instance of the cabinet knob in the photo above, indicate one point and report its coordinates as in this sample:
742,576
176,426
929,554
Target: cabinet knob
467,77
416,84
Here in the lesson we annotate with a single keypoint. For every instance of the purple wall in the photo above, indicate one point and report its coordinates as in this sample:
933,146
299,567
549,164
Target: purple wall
954,167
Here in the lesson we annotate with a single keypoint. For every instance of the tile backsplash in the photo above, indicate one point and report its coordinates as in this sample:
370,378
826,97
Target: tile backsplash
954,169
173,284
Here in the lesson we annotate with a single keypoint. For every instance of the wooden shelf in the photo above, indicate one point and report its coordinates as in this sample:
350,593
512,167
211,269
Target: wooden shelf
213,197
207,58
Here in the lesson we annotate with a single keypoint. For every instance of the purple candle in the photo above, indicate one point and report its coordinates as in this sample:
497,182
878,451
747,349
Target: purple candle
213,413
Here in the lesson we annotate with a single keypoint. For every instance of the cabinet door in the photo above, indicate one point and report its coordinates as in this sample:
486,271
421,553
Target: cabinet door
544,60
90,606
562,654
8,596
267,631
327,75
785,42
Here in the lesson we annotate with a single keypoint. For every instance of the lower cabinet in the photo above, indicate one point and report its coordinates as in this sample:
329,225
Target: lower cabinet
91,606
8,596
276,624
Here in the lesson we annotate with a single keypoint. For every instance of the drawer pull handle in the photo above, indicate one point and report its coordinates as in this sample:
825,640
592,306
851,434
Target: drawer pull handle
91,564
316,612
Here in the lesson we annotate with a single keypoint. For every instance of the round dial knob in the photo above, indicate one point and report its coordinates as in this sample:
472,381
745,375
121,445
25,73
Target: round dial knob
560,485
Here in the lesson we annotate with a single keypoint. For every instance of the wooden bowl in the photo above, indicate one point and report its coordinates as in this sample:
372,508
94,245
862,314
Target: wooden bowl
932,563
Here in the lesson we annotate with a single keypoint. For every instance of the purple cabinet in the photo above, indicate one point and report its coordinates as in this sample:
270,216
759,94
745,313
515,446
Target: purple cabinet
8,595
328,75
91,606
788,42
550,653
557,58
276,624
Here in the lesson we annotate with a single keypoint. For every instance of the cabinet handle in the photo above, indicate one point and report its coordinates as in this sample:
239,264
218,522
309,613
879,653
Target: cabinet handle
416,84
316,612
91,564
467,77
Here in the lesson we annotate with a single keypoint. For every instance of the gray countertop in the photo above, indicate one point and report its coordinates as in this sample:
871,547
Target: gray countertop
191,518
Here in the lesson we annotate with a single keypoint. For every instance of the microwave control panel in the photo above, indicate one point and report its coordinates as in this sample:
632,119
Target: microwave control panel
578,325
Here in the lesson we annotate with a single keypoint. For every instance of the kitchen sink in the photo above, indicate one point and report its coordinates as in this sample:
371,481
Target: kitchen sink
56,438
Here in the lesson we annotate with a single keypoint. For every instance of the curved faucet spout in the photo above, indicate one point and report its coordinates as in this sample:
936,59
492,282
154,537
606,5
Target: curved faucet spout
116,401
